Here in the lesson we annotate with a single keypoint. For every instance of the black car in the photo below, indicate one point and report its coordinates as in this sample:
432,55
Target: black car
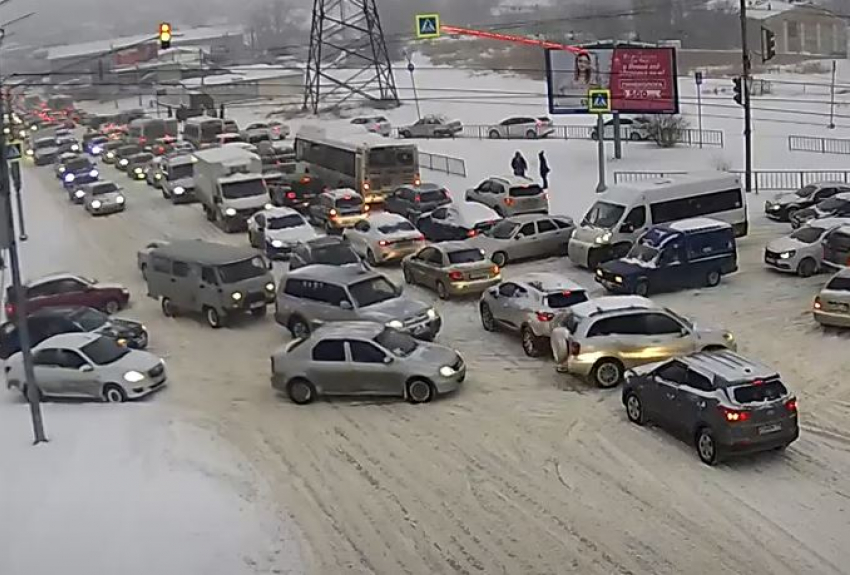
326,250
837,206
784,206
48,322
291,185
448,223
413,201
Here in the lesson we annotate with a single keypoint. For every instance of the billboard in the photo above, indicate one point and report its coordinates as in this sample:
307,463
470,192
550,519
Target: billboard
642,80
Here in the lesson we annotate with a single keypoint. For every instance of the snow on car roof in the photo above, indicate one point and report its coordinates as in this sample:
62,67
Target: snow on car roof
825,223
384,218
612,303
69,340
341,192
474,213
693,224
548,282
279,212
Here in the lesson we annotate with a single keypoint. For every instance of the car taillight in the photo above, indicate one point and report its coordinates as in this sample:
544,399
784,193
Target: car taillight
455,276
471,233
366,207
366,186
419,238
509,201
417,198
416,181
817,304
332,213
574,348
791,405
545,316
495,270
290,195
10,309
383,243
735,415
305,180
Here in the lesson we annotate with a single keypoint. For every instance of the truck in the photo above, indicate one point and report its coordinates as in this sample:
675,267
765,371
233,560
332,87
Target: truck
229,185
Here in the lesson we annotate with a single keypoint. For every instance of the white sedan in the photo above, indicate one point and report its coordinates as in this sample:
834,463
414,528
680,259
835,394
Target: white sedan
91,366
383,237
278,230
801,252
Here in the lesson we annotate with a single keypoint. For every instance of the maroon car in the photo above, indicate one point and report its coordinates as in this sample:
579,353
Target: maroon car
69,290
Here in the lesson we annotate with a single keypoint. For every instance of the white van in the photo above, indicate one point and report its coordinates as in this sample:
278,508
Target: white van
624,212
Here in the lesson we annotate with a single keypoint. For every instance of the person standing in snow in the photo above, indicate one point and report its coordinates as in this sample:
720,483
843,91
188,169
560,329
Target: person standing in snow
519,165
544,169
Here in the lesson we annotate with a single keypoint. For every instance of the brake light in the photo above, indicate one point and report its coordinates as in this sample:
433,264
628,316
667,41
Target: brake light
142,140
416,181
10,309
290,195
545,316
495,270
574,348
417,198
332,213
366,186
346,197
366,207
539,123
420,238
817,304
305,180
383,243
735,415
509,201
455,276
566,293
471,233
791,405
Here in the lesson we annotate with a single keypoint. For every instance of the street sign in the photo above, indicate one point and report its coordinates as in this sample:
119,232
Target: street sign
599,101
14,151
698,78
427,26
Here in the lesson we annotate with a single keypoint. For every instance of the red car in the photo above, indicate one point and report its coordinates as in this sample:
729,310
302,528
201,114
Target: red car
69,290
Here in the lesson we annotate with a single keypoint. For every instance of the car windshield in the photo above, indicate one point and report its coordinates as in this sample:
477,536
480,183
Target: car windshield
502,231
525,191
808,235
141,158
244,270
390,157
643,253
399,343
432,196
372,291
565,298
90,319
806,191
49,143
348,202
468,256
103,189
337,255
246,189
400,226
759,392
604,215
285,222
839,284
104,350
77,164
179,171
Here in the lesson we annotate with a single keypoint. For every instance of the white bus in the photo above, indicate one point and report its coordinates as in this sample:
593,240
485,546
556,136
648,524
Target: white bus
202,130
372,167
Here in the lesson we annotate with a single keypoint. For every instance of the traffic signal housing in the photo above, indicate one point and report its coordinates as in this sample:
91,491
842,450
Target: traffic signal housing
164,36
737,88
768,44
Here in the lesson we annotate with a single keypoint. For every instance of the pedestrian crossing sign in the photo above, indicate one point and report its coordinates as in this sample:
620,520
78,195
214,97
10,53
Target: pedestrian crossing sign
599,101
427,26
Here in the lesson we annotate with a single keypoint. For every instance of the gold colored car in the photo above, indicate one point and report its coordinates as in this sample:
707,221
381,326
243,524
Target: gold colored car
451,269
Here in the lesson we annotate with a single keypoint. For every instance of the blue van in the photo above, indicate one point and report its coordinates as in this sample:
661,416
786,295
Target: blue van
688,253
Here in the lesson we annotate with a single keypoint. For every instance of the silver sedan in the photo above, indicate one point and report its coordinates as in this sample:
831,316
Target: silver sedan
384,237
103,199
365,358
525,237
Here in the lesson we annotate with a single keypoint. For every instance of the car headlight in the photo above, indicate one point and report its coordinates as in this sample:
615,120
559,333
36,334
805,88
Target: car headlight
431,313
110,155
237,296
70,178
599,272
79,194
94,173
138,170
133,377
618,279
277,244
61,169
22,134
728,337
395,324
30,152
268,206
75,148
447,371
230,212
157,176
96,204
179,191
120,199
604,238
270,286
123,162
787,255
96,150
773,207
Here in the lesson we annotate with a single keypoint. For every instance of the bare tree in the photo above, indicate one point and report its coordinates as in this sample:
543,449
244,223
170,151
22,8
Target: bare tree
666,129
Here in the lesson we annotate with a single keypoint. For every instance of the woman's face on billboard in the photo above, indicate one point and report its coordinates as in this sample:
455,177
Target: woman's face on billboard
583,63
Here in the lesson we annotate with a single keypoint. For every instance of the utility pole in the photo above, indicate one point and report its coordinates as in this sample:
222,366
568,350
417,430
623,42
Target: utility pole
832,99
411,68
745,88
7,229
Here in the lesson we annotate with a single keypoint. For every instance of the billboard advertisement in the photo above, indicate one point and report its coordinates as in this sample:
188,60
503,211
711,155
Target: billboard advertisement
642,80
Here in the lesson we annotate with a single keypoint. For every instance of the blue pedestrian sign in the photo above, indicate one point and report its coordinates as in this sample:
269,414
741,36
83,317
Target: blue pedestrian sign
14,151
427,26
599,101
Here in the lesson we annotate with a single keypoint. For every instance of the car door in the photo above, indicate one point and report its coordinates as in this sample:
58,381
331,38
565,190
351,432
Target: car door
668,338
550,239
256,229
695,397
46,295
357,236
524,243
426,263
503,308
393,202
372,370
48,374
329,368
665,395
183,285
209,288
479,193
516,306
671,271
80,375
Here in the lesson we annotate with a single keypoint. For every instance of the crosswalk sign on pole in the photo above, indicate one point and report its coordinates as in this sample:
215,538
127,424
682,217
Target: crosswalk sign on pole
599,101
427,26
14,151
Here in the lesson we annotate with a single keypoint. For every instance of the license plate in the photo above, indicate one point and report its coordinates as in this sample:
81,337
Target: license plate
765,429
479,276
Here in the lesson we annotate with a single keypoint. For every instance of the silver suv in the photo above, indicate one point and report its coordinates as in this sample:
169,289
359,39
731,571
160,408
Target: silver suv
529,305
832,304
317,294
604,337
510,195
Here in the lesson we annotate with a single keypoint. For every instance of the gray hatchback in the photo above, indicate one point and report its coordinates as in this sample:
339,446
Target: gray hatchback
722,402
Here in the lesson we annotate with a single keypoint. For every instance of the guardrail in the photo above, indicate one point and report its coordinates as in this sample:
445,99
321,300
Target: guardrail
818,145
763,180
441,163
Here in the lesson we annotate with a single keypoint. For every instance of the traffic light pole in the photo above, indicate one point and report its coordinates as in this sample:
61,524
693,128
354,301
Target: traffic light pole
746,67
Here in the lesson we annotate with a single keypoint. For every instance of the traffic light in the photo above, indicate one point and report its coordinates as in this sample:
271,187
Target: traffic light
738,90
164,36
768,44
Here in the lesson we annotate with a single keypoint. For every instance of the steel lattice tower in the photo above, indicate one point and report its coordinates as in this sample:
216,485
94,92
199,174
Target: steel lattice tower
346,37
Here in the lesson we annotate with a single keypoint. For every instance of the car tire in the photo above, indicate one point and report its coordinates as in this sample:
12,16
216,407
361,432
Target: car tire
300,391
488,322
634,409
494,135
607,373
419,391
168,309
112,307
706,446
712,278
790,212
642,288
807,268
594,135
634,137
499,258
144,340
442,291
531,135
532,345
370,258
113,393
713,348
404,133
408,275
214,319
259,312
299,328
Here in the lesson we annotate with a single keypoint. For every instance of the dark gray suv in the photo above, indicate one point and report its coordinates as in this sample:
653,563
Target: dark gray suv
722,402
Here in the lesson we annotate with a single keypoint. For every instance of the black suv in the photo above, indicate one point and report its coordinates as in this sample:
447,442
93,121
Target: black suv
48,322
326,250
720,401
413,201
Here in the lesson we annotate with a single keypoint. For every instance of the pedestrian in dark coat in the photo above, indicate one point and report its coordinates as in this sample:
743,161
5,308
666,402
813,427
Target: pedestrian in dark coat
519,165
544,169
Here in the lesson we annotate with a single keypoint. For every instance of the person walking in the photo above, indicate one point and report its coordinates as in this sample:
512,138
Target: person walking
544,169
519,165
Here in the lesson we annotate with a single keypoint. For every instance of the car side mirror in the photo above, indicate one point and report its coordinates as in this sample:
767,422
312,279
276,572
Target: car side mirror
86,368
345,305
495,293
388,360
627,228
399,290
217,200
